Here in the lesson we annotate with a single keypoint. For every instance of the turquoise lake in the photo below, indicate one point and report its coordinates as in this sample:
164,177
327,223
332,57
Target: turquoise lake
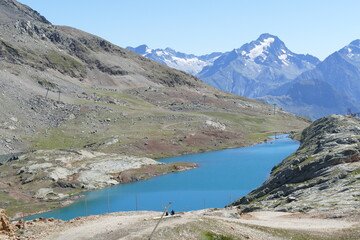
223,176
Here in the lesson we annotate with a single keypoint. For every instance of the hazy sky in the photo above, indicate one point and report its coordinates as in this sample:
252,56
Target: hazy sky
317,27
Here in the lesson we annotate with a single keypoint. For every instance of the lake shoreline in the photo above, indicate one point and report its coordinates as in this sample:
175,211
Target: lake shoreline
70,200
197,178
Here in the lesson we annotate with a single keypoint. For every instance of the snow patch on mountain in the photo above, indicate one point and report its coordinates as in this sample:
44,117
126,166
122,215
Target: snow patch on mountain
256,68
258,50
189,63
283,58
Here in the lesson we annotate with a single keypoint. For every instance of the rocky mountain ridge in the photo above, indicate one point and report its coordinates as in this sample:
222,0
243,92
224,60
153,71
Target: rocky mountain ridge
322,176
331,87
250,71
10,10
257,67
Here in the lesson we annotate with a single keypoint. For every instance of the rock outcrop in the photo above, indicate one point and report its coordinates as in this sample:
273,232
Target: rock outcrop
322,176
46,174
55,176
75,169
7,230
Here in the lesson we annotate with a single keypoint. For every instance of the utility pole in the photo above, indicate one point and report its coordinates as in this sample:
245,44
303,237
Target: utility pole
137,203
108,201
274,107
59,211
166,209
86,210
47,91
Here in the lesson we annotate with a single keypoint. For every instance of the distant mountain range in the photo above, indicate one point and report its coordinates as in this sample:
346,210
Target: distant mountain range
257,67
333,86
265,69
185,62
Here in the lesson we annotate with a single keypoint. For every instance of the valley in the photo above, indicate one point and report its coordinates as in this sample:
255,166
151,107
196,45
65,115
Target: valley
64,89
80,114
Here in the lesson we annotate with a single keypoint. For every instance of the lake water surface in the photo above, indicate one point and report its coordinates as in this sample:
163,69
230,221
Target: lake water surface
223,176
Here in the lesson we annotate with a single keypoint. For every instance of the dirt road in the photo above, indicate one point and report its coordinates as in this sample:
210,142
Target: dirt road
202,224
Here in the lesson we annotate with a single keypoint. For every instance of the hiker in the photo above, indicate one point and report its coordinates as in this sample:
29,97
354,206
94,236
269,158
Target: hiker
172,212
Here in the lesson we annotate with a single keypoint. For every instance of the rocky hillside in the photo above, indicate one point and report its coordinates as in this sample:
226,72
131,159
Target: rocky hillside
64,88
322,176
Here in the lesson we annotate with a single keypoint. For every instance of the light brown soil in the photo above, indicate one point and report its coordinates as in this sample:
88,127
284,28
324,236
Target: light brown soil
195,225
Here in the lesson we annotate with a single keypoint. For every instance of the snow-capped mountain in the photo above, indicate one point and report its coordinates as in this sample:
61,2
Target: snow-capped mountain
332,87
267,70
185,62
257,67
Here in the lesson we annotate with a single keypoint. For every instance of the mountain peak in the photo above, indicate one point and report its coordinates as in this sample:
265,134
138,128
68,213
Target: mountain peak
355,43
265,36
142,49
351,52
263,46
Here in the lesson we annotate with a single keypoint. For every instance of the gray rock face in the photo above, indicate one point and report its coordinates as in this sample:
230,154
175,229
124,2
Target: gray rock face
322,176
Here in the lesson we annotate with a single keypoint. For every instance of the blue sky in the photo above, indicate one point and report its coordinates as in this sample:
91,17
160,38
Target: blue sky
317,27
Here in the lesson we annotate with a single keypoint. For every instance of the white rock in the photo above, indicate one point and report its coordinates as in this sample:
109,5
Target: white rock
39,166
43,192
120,164
216,125
71,116
96,178
111,141
14,119
60,173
